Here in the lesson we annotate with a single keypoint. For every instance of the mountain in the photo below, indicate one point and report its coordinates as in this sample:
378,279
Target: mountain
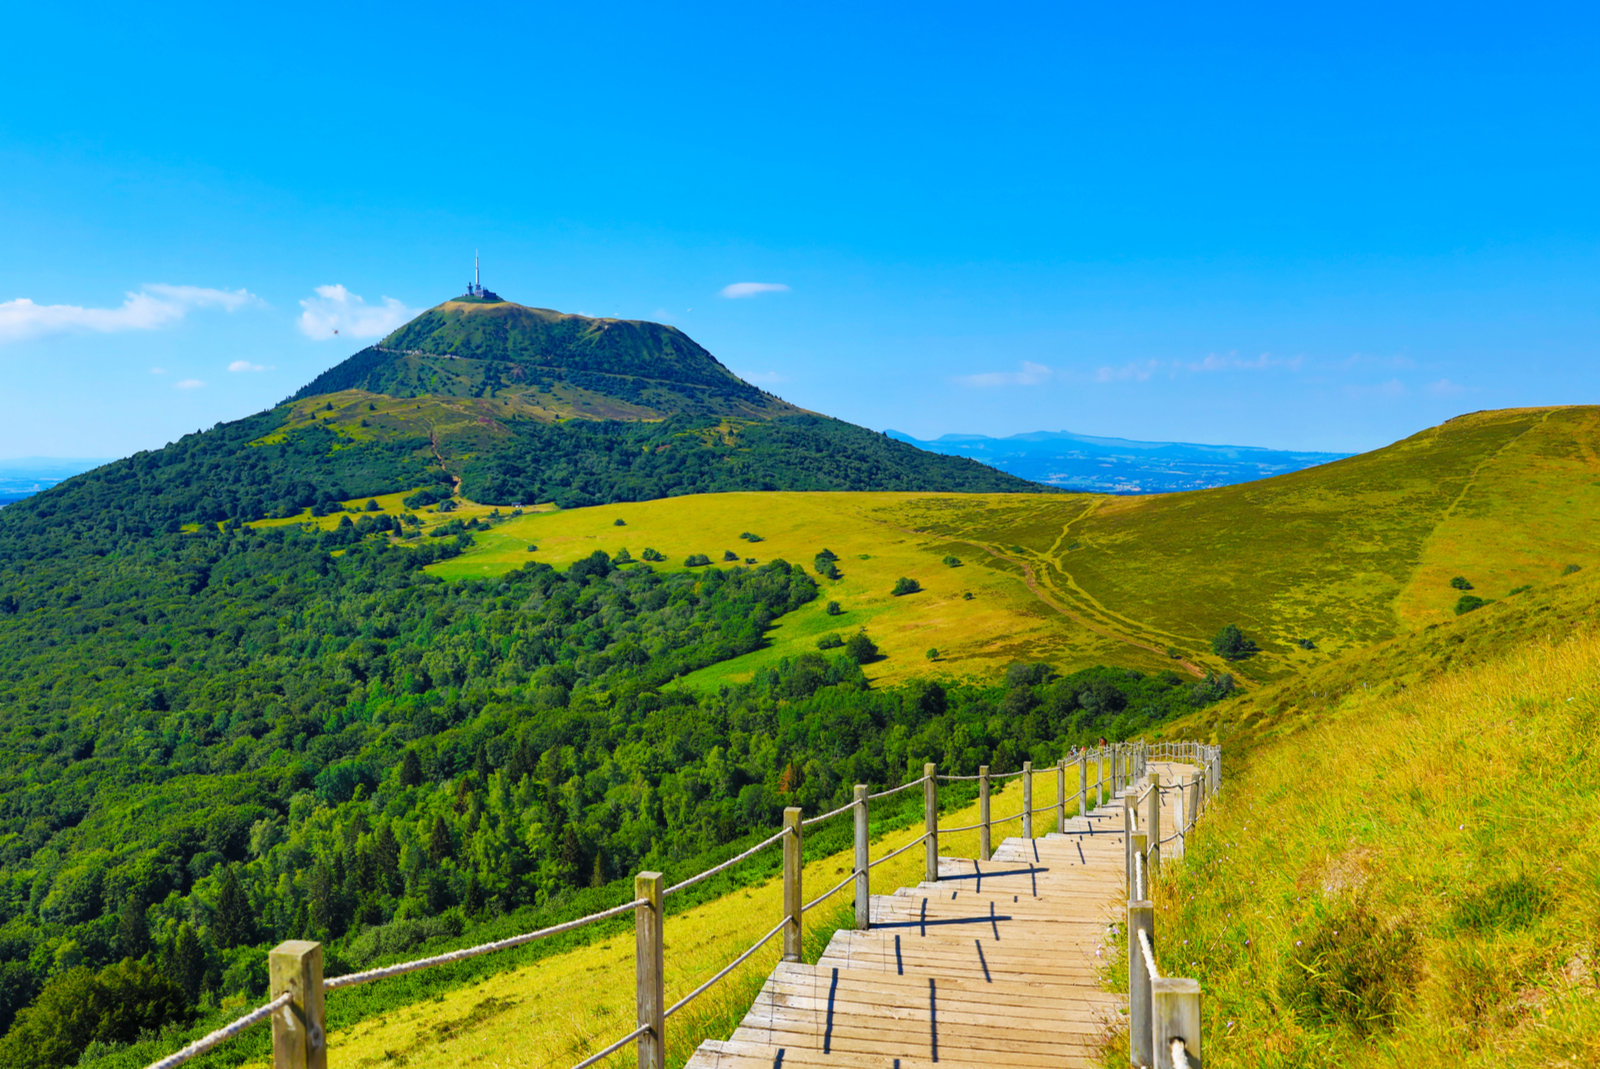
506,405
1118,465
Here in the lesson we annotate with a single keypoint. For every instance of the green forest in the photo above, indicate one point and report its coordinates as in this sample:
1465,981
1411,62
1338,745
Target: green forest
213,741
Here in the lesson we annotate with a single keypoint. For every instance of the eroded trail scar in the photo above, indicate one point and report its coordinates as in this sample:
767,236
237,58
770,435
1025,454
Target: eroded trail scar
996,964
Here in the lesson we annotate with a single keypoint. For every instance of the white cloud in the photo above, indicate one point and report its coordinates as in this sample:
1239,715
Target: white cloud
771,378
1031,375
152,307
335,310
1136,371
1232,362
188,384
245,365
1446,388
158,371
751,289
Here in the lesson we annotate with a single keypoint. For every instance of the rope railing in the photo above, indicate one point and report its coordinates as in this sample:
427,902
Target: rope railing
724,866
299,1032
386,971
728,968
223,1034
1163,1012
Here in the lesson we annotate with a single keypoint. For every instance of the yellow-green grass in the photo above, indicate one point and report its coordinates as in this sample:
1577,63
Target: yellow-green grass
1002,623
1344,554
1426,842
557,1011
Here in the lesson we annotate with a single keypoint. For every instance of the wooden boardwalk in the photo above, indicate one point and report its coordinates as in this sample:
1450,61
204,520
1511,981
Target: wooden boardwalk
996,964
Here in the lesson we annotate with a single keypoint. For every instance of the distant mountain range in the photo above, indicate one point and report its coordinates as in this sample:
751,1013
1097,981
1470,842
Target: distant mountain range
1118,465
28,475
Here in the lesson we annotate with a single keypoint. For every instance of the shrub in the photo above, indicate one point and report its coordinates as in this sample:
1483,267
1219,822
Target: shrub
427,496
1350,968
651,555
966,595
1232,644
750,537
750,560
729,554
1305,643
933,653
622,557
829,641
1460,583
1569,569
373,506
904,586
834,609
619,522
596,563
953,562
696,560
861,649
80,1006
1468,602
827,564
532,548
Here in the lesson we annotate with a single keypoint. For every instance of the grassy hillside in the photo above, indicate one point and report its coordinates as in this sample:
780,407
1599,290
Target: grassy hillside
1002,623
1403,871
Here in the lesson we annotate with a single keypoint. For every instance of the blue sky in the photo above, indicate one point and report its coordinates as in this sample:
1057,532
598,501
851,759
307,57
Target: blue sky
1290,226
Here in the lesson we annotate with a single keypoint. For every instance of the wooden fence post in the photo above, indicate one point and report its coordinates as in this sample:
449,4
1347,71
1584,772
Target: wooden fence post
1195,799
1083,784
1130,821
299,1036
792,900
1152,825
1141,917
863,881
930,820
984,850
1061,796
1139,885
1175,1014
1179,827
1100,778
1027,799
650,968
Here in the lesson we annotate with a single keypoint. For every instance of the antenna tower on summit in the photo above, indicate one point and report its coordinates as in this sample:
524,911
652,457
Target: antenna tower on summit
475,287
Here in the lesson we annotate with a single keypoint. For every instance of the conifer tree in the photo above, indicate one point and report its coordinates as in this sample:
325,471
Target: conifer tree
235,922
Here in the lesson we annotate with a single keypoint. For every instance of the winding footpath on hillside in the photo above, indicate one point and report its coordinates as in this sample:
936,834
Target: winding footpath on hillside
996,964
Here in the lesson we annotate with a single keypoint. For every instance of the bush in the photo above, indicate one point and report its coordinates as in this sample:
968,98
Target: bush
651,555
904,586
834,609
966,595
427,496
953,562
532,548
596,563
1351,968
622,557
827,564
696,560
1305,643
829,641
373,506
729,554
933,653
1460,583
80,1006
860,648
1569,569
1468,602
1232,644
619,522
750,537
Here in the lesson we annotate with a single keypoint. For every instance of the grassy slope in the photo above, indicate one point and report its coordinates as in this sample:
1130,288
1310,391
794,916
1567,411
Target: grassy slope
1002,623
554,1012
1436,795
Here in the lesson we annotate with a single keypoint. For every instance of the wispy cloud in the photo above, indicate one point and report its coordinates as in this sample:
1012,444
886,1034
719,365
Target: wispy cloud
242,366
158,371
1135,371
188,384
1233,362
1446,388
770,378
1031,374
335,310
752,289
153,307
